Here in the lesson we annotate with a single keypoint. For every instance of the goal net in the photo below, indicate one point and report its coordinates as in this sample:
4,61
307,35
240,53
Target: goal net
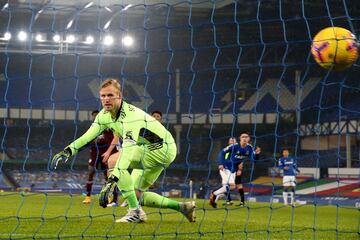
214,69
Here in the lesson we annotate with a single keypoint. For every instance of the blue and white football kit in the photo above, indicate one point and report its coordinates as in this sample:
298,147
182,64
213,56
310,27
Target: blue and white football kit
290,170
237,155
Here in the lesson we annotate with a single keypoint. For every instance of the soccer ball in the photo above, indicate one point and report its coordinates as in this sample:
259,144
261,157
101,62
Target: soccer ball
335,48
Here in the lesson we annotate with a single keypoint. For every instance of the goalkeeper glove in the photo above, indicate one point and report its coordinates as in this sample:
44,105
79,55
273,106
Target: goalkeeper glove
61,156
107,191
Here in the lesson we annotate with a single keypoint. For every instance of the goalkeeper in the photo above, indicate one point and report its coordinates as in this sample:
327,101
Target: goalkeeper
148,148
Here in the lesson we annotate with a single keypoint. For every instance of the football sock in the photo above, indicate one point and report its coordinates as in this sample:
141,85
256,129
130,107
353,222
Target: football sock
132,200
242,195
89,183
228,197
291,197
285,196
126,186
151,199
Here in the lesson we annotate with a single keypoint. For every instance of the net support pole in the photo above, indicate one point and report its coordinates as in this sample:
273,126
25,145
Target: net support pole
348,151
177,127
190,189
177,86
298,93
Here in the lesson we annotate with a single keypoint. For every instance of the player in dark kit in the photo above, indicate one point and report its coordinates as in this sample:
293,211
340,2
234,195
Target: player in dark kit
100,151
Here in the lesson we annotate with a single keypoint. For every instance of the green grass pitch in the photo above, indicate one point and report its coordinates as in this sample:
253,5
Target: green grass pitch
63,216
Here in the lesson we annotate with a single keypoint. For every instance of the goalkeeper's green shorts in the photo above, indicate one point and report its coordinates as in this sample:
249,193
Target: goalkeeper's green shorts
148,164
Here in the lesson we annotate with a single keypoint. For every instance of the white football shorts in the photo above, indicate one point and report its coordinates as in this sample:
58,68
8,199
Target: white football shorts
227,177
289,181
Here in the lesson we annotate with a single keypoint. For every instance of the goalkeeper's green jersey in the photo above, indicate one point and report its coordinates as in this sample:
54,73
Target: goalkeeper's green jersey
132,125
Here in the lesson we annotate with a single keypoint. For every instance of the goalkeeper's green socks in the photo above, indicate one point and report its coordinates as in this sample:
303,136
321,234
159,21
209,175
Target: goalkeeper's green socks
132,201
151,199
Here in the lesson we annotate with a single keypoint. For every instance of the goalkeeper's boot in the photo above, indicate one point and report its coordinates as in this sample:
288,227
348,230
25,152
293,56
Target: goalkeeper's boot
87,200
133,215
188,210
143,215
212,200
107,191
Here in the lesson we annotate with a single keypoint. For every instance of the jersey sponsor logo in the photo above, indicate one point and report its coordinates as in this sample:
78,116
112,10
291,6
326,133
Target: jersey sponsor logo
240,156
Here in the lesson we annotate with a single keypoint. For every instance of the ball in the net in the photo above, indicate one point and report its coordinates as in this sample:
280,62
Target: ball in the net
335,48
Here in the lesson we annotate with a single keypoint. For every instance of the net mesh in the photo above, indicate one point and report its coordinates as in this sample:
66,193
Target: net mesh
214,68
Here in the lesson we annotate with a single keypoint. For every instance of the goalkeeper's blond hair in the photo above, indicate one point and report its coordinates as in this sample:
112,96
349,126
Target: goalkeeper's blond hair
111,82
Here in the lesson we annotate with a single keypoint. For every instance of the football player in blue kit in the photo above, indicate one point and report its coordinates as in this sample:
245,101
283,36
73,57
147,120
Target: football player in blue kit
232,167
290,170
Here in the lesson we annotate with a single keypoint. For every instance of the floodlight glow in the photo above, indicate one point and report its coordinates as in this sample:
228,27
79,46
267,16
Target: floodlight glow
56,38
39,38
108,9
69,24
127,7
22,36
108,40
38,14
128,41
89,40
7,36
5,6
107,24
88,5
70,38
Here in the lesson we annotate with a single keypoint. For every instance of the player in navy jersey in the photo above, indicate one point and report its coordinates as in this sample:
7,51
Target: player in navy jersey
232,166
290,170
231,141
